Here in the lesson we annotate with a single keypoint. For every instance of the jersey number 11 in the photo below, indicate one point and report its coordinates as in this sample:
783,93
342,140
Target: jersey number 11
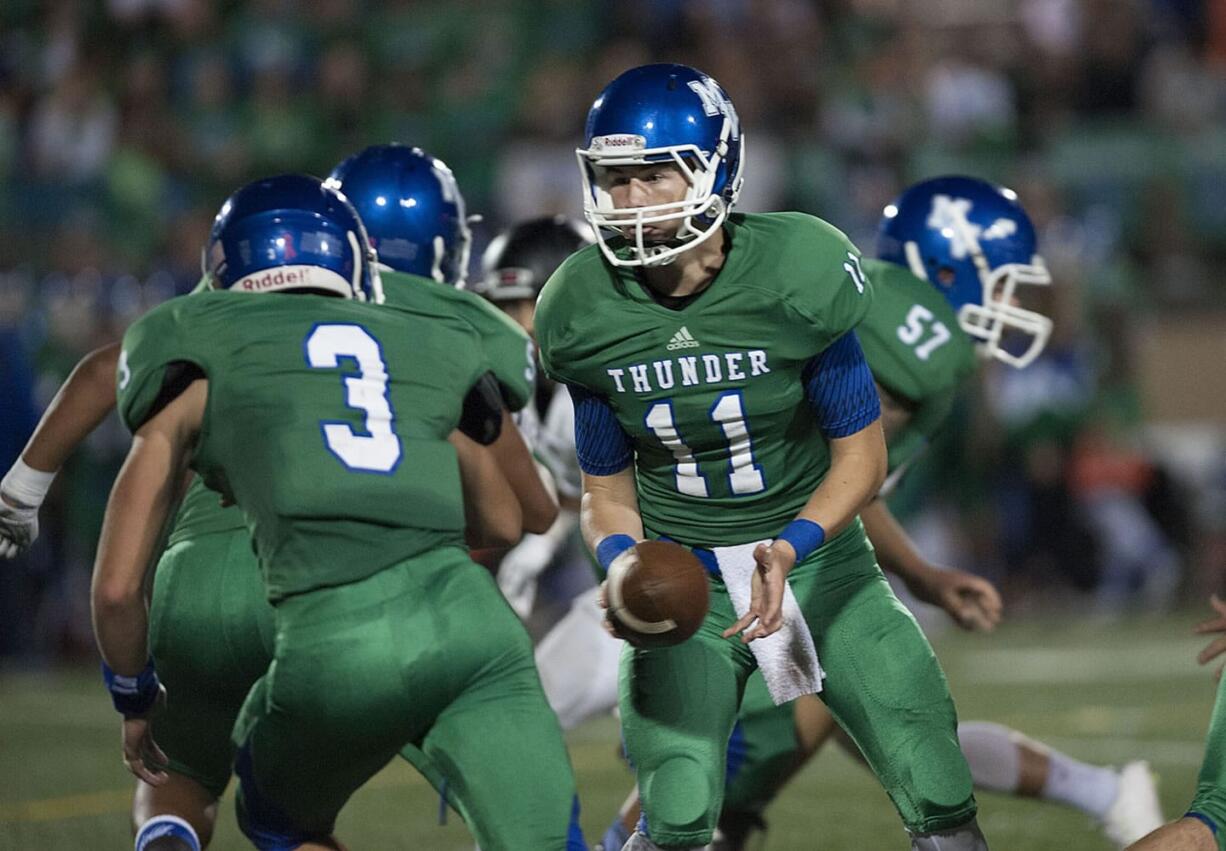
744,475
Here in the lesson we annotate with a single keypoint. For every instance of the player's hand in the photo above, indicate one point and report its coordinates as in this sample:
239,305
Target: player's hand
602,599
775,560
1217,646
519,570
18,528
141,754
970,600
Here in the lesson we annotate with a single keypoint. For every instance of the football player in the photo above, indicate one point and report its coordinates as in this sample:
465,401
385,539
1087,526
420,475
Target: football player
956,257
1203,826
721,400
418,226
208,580
208,577
332,425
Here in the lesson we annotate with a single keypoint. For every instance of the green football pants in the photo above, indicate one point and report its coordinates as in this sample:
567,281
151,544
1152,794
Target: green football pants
211,637
1209,803
762,751
428,653
883,685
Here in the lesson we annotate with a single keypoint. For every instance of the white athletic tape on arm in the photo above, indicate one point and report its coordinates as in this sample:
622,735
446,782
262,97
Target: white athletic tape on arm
25,485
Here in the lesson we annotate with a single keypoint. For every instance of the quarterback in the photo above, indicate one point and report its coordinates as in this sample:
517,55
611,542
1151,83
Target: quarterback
721,401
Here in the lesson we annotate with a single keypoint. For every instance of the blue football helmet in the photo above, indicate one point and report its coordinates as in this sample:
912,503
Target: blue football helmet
412,208
973,241
290,232
662,113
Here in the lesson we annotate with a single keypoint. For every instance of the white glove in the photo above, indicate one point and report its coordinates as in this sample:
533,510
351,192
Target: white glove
18,528
21,493
519,569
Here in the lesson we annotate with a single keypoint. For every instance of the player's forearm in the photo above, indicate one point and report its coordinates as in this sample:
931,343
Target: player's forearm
857,469
140,505
896,552
83,401
609,506
536,500
493,517
137,511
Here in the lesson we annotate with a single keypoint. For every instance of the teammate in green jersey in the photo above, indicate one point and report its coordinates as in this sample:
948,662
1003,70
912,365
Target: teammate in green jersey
721,402
417,222
1203,826
207,581
209,549
974,247
313,518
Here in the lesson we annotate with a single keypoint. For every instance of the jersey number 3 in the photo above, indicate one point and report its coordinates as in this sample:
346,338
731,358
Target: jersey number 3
378,450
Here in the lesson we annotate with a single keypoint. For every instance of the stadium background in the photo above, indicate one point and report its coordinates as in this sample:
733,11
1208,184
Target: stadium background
1091,487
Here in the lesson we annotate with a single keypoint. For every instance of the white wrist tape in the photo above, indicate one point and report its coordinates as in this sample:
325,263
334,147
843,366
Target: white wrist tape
25,485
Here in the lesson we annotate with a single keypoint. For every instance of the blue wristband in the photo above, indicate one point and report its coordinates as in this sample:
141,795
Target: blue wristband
805,536
132,695
610,547
1203,819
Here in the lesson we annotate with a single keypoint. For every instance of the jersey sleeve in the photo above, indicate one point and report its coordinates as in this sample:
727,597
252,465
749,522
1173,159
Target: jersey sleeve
155,360
601,444
840,388
511,355
832,294
552,321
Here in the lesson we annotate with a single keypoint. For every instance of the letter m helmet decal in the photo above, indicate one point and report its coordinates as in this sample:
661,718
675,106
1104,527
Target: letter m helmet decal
715,103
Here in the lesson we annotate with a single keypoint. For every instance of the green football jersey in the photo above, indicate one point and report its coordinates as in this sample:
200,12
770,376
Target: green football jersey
727,447
916,351
201,514
508,349
326,422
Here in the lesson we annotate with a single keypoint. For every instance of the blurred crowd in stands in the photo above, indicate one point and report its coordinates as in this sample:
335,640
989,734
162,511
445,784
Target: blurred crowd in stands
125,123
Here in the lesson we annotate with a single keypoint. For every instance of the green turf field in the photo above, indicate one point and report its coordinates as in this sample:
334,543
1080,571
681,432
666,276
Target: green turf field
1105,693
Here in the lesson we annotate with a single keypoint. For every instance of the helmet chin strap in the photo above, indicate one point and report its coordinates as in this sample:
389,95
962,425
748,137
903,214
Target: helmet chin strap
358,256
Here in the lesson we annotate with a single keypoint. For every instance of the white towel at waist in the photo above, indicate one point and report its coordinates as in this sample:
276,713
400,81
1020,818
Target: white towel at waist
788,658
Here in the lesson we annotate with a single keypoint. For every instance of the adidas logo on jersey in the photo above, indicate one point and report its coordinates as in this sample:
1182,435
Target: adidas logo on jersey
683,339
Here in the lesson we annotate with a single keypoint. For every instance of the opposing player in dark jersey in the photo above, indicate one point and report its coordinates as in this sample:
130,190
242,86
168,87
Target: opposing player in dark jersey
722,402
956,254
354,518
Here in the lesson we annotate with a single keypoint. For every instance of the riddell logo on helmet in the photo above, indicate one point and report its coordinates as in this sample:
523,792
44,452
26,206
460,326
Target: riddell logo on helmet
619,141
275,279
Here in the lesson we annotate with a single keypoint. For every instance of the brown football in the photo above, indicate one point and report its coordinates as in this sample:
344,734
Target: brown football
657,594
